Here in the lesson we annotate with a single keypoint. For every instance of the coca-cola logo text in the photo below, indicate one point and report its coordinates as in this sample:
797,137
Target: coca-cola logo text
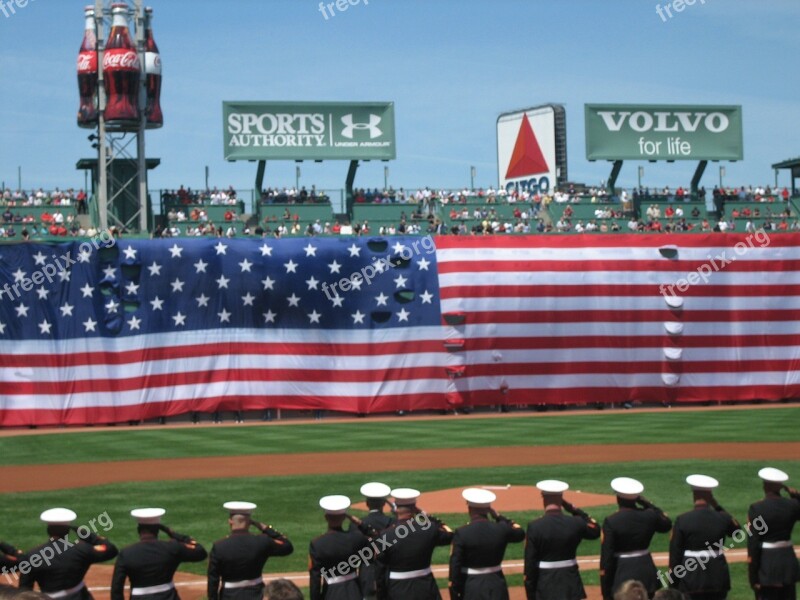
87,62
121,60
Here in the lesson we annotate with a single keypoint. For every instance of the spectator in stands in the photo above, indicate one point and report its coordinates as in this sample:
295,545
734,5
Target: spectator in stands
8,216
696,212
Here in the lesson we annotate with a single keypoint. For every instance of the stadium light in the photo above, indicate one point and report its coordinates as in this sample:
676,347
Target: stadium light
472,178
385,177
297,177
641,174
721,174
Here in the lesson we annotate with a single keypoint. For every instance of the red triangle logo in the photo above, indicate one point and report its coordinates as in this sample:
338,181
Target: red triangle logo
527,158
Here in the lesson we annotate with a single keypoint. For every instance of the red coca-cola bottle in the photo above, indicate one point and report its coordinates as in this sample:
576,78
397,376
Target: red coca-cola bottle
87,73
121,73
152,70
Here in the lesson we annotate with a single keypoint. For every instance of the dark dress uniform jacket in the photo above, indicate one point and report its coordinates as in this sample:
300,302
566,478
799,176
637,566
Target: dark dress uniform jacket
630,530
551,538
413,553
240,557
327,552
67,570
481,544
9,557
369,574
773,567
691,532
153,562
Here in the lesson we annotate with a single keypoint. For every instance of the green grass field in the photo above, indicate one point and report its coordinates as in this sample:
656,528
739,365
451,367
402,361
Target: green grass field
290,503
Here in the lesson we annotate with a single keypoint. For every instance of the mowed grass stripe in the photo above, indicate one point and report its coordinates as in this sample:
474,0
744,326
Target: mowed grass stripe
774,424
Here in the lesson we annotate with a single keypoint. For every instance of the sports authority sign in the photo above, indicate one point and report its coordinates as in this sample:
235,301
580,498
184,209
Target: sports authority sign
663,132
308,130
526,149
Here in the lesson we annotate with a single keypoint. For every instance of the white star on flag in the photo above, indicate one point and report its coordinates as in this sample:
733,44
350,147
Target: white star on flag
19,275
44,327
382,298
202,300
220,248
337,301
294,300
358,317
22,310
400,281
310,250
224,316
112,306
132,288
398,248
87,290
403,315
269,316
180,319
66,310
291,266
177,285
314,316
266,250
354,250
312,283
39,258
64,275
245,265
222,282
157,303
83,256
42,293
90,325
269,283
155,269
2,328
130,252
335,267
426,297
175,251
134,323
248,299
200,266
423,264
110,272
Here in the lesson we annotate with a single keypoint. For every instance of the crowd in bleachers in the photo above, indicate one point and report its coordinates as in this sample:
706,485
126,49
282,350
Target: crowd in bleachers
40,197
292,195
188,196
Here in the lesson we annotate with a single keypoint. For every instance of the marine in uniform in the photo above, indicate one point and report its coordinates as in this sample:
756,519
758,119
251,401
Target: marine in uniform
407,549
478,549
61,577
333,557
376,495
551,566
151,563
773,567
625,540
235,562
698,566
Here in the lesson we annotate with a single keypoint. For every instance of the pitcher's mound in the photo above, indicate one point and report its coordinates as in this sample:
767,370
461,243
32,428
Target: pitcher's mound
510,498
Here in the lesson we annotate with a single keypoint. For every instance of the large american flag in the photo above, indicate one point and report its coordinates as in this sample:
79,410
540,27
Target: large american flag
149,328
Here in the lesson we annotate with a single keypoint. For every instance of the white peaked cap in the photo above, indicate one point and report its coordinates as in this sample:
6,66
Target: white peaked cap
479,498
627,487
148,516
375,489
552,486
773,475
334,505
239,508
405,496
702,482
58,516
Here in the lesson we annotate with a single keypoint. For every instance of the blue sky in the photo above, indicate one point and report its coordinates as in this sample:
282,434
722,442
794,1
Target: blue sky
450,66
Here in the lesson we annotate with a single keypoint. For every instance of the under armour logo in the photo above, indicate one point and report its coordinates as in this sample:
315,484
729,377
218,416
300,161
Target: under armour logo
374,131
